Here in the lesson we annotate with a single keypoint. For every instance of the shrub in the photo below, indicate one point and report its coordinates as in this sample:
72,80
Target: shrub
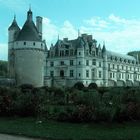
92,86
79,86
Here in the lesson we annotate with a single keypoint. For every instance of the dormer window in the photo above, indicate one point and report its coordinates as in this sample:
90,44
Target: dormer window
24,43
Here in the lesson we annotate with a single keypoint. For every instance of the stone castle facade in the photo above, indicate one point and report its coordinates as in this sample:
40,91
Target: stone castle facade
67,62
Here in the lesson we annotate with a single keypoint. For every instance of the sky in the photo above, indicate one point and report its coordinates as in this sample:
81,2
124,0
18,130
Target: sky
115,22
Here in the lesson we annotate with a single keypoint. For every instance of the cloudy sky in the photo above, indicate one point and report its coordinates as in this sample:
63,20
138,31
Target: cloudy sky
117,22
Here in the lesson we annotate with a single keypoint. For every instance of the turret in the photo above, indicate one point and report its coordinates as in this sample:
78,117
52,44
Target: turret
105,66
39,25
13,30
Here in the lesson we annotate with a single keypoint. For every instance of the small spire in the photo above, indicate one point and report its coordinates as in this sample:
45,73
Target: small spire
104,43
29,14
104,49
58,36
78,33
14,16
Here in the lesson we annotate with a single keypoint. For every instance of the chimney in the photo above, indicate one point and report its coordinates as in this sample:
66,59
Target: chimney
39,25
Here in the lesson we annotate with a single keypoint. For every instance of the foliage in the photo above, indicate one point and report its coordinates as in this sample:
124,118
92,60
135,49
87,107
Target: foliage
3,68
79,86
102,104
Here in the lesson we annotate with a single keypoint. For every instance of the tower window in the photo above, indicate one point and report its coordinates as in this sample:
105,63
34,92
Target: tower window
24,43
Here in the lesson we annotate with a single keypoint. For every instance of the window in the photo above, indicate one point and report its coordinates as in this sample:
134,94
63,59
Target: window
93,73
61,62
66,53
34,43
79,74
61,73
71,73
79,62
110,75
120,75
71,52
79,53
71,62
113,75
94,62
62,53
108,66
100,74
128,76
93,53
100,64
113,66
51,73
51,63
87,62
24,43
87,73
122,67
117,67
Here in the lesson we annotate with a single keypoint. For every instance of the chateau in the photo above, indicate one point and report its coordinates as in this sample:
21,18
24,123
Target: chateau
67,62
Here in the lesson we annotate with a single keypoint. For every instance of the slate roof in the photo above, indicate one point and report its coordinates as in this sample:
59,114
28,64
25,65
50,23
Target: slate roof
109,53
76,43
29,32
14,25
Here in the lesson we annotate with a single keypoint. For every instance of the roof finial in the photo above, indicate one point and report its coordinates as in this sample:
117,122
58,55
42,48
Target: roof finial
58,36
29,7
78,33
103,43
14,17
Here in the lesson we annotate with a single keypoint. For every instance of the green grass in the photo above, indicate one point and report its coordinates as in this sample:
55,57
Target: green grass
69,131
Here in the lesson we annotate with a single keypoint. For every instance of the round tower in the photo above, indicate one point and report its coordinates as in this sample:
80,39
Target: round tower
13,31
105,66
29,55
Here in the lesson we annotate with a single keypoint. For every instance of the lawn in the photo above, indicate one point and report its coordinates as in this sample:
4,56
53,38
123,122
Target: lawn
70,131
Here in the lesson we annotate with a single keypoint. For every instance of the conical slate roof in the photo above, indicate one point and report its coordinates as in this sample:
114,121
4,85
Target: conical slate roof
29,32
14,25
